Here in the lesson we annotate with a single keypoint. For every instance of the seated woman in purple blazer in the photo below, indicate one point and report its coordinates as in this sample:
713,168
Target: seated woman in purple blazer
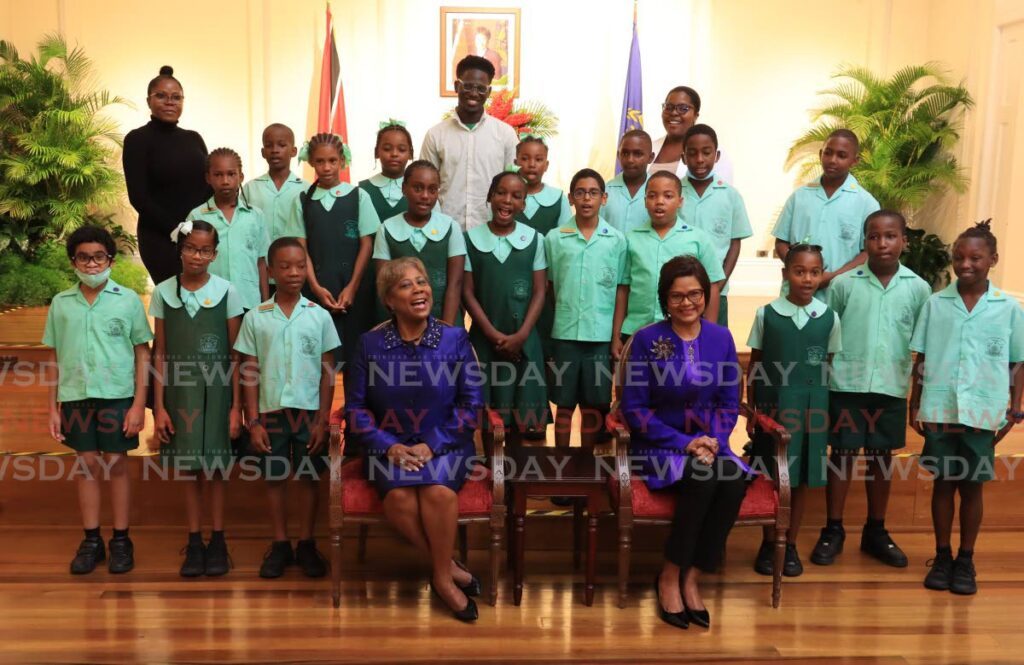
413,399
680,397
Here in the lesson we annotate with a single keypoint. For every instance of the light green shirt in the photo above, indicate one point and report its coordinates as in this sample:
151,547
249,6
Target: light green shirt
434,230
720,212
878,323
242,242
625,212
585,275
800,317
967,356
95,344
837,223
647,252
289,352
546,197
280,214
369,222
208,295
501,246
390,188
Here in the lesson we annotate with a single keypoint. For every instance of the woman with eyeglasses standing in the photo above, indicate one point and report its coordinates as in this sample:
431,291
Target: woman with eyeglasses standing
680,399
164,170
679,112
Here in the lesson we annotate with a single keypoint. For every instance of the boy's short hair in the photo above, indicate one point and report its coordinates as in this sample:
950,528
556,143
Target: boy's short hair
668,175
844,133
86,234
636,134
701,130
895,214
475,62
280,244
280,125
586,173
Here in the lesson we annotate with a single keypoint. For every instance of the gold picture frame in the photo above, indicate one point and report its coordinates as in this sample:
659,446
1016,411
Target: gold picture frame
492,32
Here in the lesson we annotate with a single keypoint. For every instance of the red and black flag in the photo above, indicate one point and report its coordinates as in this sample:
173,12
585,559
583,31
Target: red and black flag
331,115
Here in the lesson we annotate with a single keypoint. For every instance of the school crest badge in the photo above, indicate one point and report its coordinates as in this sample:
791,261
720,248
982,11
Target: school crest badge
209,344
720,227
308,345
352,229
907,317
606,277
815,355
116,328
520,289
994,347
847,231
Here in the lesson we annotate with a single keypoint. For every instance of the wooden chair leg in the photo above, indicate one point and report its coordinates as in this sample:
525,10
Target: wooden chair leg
578,525
496,536
364,531
510,539
625,547
463,543
336,567
778,564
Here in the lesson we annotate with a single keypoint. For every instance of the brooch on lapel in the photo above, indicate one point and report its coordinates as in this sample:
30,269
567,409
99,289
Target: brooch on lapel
663,348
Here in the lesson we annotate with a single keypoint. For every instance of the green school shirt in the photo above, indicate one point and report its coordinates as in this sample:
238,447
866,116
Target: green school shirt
289,352
837,223
800,316
390,188
209,295
241,243
967,356
95,344
282,218
877,326
585,275
720,213
645,255
624,212
547,197
501,246
435,229
369,222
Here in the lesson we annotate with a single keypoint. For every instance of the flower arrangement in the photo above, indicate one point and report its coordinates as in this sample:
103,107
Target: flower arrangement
524,117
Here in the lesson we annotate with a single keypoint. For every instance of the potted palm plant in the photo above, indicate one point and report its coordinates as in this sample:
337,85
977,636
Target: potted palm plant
907,125
58,152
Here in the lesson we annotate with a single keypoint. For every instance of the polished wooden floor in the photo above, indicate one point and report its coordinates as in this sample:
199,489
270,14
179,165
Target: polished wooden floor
856,611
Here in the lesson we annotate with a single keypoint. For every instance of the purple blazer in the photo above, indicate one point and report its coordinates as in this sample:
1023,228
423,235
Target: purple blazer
668,400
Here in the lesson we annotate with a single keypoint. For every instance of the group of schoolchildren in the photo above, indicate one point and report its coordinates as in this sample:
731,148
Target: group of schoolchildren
276,286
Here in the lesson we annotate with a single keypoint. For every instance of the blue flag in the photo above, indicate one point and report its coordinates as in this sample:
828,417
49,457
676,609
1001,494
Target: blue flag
633,98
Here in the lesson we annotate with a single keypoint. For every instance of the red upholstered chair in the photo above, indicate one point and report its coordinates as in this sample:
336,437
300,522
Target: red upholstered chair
354,500
766,502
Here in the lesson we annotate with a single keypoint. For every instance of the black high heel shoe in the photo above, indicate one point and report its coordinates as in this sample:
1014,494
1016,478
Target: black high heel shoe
473,588
676,619
467,614
700,617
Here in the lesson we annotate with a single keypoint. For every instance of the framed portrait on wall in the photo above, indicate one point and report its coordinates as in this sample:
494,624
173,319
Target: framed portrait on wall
489,32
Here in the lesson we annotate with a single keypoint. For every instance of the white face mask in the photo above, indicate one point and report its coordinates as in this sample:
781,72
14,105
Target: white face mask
93,281
690,176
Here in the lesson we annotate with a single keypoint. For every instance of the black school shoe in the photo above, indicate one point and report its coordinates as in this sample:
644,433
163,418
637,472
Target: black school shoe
764,563
277,558
792,566
941,574
310,560
90,552
963,582
217,560
195,560
122,555
878,543
829,546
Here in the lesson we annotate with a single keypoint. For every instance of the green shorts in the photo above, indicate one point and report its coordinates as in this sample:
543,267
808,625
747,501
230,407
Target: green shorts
96,425
289,431
958,452
582,374
871,421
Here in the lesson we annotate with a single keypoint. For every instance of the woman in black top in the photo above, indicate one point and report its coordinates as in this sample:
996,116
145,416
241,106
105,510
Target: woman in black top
165,171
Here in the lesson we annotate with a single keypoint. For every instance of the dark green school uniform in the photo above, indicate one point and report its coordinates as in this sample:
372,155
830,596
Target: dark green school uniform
382,191
197,389
792,385
544,211
503,285
332,240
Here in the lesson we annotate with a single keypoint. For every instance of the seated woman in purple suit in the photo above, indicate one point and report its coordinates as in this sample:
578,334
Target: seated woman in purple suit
413,399
680,398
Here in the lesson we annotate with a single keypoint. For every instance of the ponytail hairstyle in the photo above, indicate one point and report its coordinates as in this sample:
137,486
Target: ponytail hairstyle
228,152
982,230
184,230
166,73
392,125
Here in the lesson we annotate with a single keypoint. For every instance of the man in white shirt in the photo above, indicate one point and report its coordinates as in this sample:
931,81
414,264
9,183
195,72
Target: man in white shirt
470,147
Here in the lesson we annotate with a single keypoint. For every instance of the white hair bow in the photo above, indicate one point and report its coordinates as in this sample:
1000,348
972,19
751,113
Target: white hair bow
183,228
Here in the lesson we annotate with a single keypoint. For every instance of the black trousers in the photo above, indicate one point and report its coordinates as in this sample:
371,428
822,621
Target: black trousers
708,499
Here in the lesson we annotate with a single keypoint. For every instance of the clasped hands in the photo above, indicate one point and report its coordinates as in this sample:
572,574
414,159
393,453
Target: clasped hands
410,458
704,449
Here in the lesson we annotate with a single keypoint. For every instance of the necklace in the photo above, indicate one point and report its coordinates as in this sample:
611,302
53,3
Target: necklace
691,350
